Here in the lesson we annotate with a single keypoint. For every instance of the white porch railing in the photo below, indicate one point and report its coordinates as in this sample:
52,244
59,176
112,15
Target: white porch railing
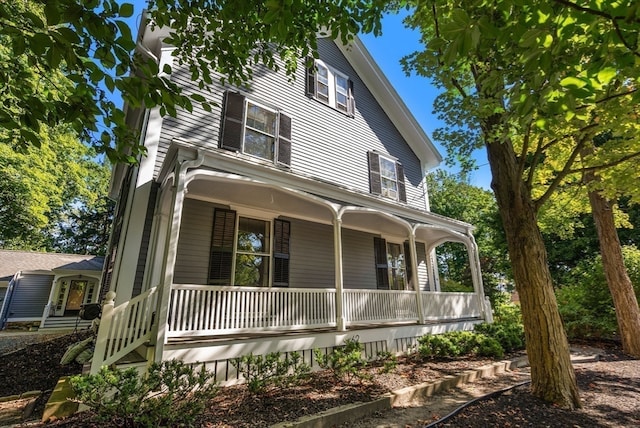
204,310
378,306
123,328
447,306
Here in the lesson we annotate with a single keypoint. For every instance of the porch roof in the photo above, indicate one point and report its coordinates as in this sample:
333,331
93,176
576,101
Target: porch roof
271,189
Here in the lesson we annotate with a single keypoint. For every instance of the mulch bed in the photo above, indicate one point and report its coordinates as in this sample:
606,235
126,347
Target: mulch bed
610,390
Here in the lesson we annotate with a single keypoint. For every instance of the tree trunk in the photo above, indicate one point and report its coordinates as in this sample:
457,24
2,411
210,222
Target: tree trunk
620,286
552,375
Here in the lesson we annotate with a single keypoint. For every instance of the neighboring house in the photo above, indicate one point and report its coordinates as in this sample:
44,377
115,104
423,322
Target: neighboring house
293,216
46,290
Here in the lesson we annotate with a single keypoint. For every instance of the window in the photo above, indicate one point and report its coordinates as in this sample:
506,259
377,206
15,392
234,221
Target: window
241,249
330,86
392,266
255,129
252,253
386,177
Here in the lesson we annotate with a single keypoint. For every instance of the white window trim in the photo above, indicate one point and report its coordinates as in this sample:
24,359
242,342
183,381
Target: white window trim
251,214
384,189
274,159
333,87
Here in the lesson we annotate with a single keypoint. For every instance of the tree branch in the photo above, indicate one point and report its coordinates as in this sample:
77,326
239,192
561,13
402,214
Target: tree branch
562,174
613,18
593,11
534,162
605,165
523,152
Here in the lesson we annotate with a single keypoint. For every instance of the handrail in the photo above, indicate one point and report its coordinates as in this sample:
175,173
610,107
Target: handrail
123,328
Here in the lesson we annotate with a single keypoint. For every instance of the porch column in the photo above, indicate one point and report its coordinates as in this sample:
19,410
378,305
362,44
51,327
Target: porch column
171,249
337,252
414,269
432,270
476,276
52,297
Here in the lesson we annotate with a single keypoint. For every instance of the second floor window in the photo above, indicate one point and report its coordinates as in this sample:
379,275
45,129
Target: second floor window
255,129
386,177
330,86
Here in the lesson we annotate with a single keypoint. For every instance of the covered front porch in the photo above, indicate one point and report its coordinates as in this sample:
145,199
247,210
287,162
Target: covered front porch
236,254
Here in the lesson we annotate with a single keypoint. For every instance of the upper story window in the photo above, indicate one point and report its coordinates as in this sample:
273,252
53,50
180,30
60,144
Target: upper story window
330,86
386,177
255,129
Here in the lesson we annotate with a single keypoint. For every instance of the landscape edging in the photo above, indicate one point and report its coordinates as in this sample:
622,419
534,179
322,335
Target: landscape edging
351,412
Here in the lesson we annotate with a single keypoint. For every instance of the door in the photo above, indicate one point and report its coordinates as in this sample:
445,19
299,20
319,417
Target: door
75,297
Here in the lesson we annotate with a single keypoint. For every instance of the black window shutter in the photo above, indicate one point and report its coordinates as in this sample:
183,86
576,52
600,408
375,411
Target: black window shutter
284,140
352,100
402,191
407,264
232,122
311,77
281,253
382,267
375,185
221,258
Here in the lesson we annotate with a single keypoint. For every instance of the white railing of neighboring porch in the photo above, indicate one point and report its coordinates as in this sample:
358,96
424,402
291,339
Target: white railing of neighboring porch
205,309
379,306
438,305
123,328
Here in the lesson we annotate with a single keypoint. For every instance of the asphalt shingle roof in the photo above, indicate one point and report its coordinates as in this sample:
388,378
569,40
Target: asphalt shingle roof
12,262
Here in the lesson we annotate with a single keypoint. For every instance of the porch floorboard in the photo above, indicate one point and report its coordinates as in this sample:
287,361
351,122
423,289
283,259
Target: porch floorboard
177,341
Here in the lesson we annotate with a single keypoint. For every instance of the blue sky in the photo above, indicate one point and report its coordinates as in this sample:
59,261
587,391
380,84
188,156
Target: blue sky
396,41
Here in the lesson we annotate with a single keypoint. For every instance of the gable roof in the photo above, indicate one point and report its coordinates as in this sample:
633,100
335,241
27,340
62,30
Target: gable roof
12,262
383,91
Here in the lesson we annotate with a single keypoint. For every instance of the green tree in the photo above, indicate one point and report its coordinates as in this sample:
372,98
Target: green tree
452,196
92,46
39,187
528,79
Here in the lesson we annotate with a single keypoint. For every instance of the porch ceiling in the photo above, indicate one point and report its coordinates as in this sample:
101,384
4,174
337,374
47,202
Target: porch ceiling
375,222
261,196
435,234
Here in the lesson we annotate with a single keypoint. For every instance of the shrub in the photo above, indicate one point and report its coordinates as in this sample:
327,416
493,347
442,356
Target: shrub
584,300
458,343
344,361
388,361
171,394
262,372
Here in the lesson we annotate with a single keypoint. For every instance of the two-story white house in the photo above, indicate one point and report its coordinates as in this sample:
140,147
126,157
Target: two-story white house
293,216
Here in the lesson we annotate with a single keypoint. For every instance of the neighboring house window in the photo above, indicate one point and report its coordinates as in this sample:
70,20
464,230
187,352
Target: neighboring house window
255,129
330,86
386,177
391,265
241,249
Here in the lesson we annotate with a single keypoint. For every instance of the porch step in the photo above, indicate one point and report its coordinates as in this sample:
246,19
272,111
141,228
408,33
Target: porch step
65,324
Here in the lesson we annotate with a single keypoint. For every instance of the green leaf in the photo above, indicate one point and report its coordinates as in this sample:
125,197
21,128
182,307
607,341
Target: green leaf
606,75
573,82
35,19
52,13
126,10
